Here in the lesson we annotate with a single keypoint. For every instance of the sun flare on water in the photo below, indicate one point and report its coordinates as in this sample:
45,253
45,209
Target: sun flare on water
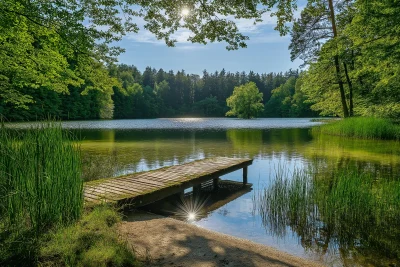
191,216
190,209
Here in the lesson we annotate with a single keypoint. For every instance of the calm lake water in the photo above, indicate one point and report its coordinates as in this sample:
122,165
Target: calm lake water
119,147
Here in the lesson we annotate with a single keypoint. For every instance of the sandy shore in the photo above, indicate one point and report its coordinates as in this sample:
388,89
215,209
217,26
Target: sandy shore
160,241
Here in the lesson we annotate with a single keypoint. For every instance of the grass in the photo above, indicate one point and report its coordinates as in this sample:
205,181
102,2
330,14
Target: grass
349,207
99,166
41,205
92,241
40,178
362,127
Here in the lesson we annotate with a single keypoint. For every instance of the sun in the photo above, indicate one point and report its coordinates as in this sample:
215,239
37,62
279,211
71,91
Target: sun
185,11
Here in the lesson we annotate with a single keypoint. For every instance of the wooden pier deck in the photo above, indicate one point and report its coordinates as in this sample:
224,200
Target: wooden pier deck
140,189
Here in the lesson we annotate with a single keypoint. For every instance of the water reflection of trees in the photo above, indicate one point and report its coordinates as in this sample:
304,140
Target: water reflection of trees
117,151
351,209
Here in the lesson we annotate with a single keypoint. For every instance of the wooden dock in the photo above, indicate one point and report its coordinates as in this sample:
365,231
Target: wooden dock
142,188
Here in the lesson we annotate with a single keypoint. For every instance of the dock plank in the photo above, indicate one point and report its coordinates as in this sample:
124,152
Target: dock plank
146,187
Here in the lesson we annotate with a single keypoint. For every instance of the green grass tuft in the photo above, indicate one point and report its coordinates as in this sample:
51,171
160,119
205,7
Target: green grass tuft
92,241
362,127
40,178
348,207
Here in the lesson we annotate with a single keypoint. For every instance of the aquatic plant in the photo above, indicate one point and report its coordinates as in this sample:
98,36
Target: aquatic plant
361,127
349,208
40,178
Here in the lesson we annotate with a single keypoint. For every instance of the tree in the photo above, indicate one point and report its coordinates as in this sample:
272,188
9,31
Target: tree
375,34
245,102
207,107
317,28
279,105
49,43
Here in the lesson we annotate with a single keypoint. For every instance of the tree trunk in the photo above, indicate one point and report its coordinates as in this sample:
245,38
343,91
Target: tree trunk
350,89
337,66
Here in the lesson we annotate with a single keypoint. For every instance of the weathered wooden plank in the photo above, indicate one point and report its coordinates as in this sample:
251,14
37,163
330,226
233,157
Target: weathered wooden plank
90,196
151,182
121,190
165,175
104,193
129,181
136,184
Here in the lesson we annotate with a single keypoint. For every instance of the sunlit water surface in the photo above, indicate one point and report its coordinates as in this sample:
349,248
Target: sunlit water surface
117,147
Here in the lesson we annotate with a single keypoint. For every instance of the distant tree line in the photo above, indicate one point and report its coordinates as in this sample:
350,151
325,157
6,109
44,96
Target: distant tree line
157,93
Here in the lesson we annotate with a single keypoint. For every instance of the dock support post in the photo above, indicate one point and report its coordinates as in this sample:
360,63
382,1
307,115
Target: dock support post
179,196
244,175
215,183
196,190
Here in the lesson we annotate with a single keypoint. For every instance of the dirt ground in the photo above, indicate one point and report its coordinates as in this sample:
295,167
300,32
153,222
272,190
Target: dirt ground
161,241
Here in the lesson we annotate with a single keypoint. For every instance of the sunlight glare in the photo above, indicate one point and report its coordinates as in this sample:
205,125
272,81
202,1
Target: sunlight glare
190,208
185,11
191,216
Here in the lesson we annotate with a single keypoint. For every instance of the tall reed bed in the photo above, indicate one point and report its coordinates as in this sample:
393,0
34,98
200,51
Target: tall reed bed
349,207
362,127
40,179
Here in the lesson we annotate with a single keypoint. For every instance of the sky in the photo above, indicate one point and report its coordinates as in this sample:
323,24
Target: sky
266,51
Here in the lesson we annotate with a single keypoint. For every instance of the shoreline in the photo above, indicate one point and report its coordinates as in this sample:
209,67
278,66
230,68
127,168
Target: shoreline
163,241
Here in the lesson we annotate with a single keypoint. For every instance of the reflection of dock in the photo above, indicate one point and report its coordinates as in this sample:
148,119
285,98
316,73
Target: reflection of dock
218,200
208,199
146,187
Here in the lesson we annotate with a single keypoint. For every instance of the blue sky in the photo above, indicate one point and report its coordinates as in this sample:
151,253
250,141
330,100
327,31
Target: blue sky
266,51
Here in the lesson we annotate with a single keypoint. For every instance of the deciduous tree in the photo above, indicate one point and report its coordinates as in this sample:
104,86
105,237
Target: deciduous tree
245,102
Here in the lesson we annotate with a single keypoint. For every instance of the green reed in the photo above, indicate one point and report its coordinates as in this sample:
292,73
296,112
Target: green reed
362,127
40,178
350,206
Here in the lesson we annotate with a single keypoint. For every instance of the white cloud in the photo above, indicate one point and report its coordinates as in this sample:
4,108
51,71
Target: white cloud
248,26
190,46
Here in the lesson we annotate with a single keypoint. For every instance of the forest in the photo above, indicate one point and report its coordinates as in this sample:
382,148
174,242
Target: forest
350,52
157,93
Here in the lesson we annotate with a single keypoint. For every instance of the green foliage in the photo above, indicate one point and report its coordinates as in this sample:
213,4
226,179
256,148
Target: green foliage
58,44
92,241
375,33
352,49
149,94
40,177
245,102
31,56
288,101
207,107
158,93
362,127
347,207
40,185
319,91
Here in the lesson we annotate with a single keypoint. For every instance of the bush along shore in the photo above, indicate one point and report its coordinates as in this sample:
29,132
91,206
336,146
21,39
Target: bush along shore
42,218
362,127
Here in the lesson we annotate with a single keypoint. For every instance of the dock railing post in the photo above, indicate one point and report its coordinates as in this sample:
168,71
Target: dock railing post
245,175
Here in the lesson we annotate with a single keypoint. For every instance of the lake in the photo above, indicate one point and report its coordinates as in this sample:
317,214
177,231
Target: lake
117,147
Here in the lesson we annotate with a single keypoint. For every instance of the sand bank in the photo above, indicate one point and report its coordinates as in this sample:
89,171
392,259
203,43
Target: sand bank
161,241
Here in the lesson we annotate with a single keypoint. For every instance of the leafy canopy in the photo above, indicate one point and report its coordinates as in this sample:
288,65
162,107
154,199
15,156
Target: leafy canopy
57,44
245,102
